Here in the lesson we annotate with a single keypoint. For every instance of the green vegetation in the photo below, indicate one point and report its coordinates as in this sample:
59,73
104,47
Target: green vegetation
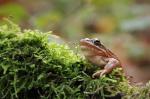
33,68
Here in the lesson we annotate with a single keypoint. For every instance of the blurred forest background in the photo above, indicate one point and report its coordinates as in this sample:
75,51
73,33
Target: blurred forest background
122,25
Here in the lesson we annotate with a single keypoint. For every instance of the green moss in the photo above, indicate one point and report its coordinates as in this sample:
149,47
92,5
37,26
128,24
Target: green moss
33,68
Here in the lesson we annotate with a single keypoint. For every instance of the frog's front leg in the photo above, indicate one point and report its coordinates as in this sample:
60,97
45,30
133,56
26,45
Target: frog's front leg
111,63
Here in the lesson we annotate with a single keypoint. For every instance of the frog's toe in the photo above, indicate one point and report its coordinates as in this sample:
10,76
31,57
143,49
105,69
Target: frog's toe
97,74
94,76
103,72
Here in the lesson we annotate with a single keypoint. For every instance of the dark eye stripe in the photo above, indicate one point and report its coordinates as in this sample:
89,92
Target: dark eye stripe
97,42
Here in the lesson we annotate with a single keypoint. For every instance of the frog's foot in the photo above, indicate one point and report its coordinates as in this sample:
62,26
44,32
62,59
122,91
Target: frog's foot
112,63
99,73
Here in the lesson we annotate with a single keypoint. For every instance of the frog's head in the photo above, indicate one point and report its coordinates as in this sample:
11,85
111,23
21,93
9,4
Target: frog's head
91,45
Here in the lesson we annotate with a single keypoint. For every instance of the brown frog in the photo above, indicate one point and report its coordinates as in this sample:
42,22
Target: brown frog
99,55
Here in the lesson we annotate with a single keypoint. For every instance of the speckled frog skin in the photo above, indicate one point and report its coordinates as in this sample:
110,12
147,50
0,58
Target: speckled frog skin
99,55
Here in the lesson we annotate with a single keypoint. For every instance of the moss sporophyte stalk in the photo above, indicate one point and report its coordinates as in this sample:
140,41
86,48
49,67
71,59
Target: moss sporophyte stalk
31,67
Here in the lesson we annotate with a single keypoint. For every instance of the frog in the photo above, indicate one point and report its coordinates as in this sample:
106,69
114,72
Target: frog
96,53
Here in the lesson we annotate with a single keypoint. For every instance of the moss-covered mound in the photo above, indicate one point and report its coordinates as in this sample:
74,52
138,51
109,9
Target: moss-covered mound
33,68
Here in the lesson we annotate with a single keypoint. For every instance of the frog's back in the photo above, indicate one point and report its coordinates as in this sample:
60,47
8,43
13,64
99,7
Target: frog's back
106,52
111,54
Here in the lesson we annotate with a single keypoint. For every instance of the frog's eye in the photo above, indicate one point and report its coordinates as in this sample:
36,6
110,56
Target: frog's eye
97,42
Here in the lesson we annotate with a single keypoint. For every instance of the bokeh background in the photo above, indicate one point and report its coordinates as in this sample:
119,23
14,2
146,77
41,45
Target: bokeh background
122,25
